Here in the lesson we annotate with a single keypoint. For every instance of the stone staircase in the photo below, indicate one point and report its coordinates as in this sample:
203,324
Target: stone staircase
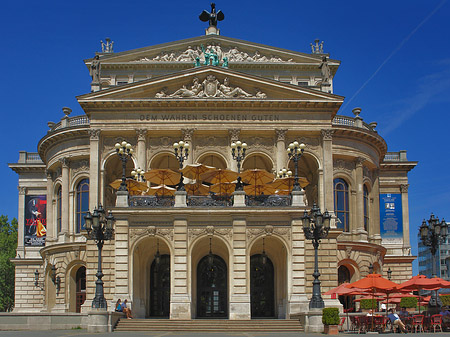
210,325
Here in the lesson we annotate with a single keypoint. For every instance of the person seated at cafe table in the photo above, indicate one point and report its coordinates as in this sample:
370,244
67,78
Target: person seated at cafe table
444,312
370,313
396,321
403,313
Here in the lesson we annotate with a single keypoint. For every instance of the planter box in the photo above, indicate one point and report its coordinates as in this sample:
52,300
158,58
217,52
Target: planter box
331,329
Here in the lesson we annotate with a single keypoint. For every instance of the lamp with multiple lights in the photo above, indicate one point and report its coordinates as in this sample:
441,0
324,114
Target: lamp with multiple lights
138,174
432,235
284,173
100,228
124,151
181,150
295,151
316,226
238,150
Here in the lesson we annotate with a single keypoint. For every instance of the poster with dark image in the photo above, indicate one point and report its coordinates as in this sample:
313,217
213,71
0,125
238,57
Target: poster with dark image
35,220
391,218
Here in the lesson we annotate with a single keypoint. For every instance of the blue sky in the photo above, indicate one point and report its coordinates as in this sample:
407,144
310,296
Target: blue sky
395,66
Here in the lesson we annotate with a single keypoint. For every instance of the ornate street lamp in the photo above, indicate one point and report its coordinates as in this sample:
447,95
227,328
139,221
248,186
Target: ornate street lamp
316,226
181,150
284,173
432,235
138,174
100,228
238,153
124,151
295,151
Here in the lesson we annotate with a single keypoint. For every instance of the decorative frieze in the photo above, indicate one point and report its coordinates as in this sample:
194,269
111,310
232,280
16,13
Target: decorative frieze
269,230
343,165
80,166
136,233
232,54
226,233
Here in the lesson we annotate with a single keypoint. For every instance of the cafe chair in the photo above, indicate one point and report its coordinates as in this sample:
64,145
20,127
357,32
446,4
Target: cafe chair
436,322
417,322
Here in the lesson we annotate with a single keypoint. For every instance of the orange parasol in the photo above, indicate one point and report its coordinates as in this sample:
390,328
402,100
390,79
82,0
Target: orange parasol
196,189
257,177
223,188
288,182
374,282
134,187
265,189
193,171
219,176
163,176
161,190
342,289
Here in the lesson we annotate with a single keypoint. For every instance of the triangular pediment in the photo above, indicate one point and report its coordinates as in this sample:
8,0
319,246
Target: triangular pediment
210,83
235,50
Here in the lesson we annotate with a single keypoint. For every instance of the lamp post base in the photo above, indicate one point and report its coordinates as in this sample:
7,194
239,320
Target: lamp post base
122,199
98,321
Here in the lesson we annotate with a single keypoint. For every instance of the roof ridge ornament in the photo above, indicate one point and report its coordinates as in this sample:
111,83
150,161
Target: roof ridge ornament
212,17
317,48
108,46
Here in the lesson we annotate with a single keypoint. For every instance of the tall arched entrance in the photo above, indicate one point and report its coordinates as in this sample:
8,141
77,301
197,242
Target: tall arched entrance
212,287
80,281
262,294
160,287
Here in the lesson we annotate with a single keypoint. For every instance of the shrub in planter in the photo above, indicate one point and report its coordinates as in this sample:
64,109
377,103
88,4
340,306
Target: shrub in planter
368,303
445,300
330,316
408,302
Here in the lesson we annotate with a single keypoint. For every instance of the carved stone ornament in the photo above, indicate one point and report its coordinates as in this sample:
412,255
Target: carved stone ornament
151,231
141,134
209,88
327,134
65,162
94,134
342,165
226,233
367,173
22,190
187,134
359,161
80,166
232,54
404,188
234,134
281,134
269,230
348,251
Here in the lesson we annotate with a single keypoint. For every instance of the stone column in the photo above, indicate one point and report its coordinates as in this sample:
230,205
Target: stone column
141,149
359,195
234,136
94,158
187,138
240,287
180,301
20,253
405,214
298,301
327,193
281,149
65,209
122,284
375,210
52,231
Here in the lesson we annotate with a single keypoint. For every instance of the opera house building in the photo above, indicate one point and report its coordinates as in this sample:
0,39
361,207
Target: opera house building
199,157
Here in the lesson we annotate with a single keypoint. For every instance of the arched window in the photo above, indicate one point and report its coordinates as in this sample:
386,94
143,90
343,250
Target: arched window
58,209
341,203
82,203
366,209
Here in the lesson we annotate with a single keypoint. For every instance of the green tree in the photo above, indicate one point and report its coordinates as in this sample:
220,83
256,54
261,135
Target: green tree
8,245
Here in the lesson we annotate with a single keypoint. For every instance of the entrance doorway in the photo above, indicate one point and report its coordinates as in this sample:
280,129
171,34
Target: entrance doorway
80,281
262,287
212,293
160,287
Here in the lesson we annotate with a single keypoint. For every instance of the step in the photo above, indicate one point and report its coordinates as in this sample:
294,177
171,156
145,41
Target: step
209,325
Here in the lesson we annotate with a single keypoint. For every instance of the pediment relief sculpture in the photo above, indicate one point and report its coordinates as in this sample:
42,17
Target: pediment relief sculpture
232,54
210,87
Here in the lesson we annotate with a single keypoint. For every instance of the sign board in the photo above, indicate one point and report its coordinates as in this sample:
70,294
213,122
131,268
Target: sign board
35,226
391,218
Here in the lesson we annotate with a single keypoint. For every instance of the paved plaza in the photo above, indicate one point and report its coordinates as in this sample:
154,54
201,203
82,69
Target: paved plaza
84,333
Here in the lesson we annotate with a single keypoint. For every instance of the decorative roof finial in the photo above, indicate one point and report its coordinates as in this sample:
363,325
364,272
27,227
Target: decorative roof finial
212,17
317,48
108,46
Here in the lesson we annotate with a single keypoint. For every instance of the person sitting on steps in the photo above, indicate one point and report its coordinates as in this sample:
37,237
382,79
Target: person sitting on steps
126,310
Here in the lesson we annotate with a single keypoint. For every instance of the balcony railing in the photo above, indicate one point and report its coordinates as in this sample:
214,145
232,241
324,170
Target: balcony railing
350,121
69,122
29,157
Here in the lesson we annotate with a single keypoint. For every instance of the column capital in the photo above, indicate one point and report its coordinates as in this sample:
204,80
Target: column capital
187,134
49,174
22,190
94,134
404,188
141,133
234,134
65,162
359,161
281,134
327,134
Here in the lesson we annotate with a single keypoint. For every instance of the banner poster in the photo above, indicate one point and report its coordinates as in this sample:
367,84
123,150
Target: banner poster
391,218
35,220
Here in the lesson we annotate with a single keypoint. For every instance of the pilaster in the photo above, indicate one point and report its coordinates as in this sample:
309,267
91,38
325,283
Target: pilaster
65,197
234,136
240,288
20,253
141,148
51,225
359,195
405,214
281,158
94,168
327,195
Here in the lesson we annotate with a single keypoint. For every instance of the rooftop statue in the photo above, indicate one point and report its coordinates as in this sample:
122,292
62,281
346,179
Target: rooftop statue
317,48
325,69
212,17
108,46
